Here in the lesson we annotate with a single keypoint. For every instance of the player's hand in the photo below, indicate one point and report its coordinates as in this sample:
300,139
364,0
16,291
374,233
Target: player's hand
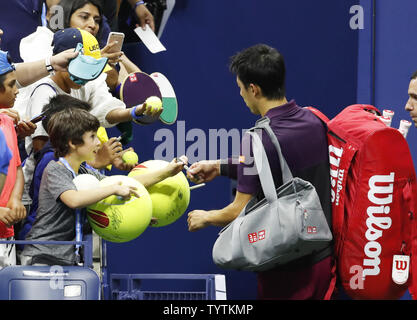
25,128
203,171
197,220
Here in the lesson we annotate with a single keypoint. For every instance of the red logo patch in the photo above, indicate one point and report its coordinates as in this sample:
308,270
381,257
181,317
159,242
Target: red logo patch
132,78
311,229
255,237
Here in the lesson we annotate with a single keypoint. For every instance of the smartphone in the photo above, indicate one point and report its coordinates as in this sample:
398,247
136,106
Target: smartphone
38,118
116,36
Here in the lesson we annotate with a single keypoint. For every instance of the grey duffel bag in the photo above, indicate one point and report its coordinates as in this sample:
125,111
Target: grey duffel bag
287,224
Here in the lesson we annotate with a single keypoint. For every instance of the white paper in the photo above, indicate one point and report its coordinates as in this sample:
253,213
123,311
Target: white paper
150,39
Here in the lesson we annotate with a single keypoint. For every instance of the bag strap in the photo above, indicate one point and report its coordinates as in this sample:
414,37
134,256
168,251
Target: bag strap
263,123
42,84
318,114
263,168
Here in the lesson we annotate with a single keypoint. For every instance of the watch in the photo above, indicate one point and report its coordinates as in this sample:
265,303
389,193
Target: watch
49,66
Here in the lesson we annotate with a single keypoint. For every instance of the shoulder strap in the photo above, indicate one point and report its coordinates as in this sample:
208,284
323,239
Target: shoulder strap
319,114
263,123
263,168
46,84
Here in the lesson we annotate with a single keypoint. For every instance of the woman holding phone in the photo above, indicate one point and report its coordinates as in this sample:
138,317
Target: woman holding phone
86,15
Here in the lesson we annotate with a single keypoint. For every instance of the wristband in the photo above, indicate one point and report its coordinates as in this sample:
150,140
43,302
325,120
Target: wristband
49,66
224,167
133,114
138,3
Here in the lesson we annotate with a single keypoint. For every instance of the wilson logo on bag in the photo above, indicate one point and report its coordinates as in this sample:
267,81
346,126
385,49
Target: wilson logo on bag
373,185
377,221
336,175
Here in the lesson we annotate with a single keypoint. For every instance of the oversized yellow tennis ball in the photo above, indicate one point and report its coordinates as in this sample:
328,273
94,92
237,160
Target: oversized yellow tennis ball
117,220
170,197
130,157
154,102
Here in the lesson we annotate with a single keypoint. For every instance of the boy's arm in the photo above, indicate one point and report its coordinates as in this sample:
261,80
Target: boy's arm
155,176
15,201
81,199
124,115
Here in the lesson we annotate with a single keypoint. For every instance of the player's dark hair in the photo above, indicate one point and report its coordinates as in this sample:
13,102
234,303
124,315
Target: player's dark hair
70,125
414,75
263,66
61,102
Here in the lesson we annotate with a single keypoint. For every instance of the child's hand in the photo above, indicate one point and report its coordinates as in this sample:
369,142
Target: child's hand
18,210
176,165
6,216
120,164
25,128
147,110
125,191
110,150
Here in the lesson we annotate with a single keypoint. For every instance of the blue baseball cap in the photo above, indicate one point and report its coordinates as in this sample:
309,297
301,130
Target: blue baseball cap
6,64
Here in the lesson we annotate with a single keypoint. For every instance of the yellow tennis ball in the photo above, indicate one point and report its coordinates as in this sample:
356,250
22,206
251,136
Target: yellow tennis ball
130,157
170,197
118,220
154,102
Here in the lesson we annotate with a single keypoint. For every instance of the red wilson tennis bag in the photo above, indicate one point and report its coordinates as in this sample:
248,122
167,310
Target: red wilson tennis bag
373,205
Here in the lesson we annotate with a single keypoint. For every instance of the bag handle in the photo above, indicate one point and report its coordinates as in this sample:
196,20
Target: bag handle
263,168
263,123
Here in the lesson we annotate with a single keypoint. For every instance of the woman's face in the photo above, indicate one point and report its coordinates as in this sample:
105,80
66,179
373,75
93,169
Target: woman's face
86,18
